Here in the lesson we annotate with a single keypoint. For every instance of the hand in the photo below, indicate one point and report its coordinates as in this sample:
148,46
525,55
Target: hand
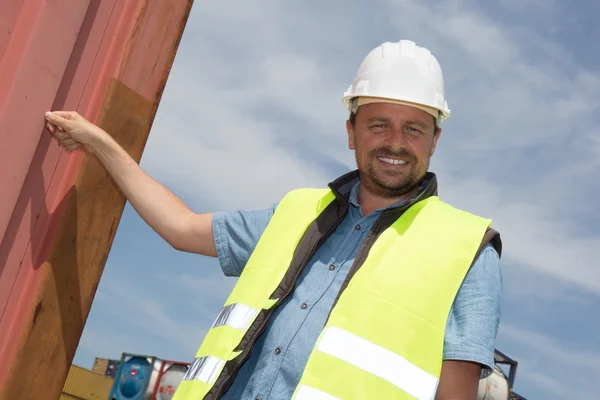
72,131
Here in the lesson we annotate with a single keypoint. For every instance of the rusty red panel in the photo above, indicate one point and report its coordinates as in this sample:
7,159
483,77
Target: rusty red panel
61,54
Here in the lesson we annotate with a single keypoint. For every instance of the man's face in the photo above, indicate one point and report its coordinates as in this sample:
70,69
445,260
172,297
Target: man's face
393,144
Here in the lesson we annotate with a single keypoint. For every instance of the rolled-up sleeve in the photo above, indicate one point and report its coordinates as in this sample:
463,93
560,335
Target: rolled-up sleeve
473,322
236,235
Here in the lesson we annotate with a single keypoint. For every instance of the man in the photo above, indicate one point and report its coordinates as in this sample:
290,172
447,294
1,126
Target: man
372,288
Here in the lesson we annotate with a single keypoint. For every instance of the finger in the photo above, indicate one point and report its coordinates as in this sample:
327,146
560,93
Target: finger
50,128
60,135
58,119
72,147
67,142
69,115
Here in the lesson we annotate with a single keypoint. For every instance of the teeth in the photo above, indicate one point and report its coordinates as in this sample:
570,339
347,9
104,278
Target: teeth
391,161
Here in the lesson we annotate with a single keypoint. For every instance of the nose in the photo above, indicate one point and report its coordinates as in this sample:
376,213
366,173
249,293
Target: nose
396,138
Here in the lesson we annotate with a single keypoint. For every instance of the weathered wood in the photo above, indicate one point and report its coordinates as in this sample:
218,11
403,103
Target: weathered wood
89,214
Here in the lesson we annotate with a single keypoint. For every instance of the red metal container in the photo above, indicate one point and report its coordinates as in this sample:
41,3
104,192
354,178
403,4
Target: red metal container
169,377
109,60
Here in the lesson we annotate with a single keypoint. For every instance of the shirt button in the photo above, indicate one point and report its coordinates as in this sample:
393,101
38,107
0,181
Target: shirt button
357,227
277,350
331,267
303,306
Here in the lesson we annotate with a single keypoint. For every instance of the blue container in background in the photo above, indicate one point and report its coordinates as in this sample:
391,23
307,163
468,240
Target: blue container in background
133,377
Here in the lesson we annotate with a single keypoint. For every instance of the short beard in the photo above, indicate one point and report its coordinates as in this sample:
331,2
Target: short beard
379,187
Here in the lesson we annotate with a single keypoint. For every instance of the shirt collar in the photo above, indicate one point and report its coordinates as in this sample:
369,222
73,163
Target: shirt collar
353,198
347,185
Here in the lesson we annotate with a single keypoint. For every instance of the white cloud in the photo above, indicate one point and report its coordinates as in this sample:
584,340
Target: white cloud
211,132
521,89
532,235
204,292
149,319
563,370
250,170
104,343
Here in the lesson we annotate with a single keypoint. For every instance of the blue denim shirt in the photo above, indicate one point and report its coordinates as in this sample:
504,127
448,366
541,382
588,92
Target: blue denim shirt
276,362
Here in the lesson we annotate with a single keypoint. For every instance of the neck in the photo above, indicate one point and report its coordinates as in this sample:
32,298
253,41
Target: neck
369,201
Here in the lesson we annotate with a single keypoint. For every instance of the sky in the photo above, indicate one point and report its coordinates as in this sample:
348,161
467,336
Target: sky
252,109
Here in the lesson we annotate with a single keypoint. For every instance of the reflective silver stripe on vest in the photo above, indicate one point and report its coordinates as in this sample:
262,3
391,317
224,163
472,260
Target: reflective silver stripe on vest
236,315
310,393
205,369
379,361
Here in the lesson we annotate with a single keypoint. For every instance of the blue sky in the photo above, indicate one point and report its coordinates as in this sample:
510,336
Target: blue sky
253,109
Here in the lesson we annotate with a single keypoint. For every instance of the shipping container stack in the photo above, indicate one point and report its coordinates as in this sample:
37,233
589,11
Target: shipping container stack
85,384
133,377
106,366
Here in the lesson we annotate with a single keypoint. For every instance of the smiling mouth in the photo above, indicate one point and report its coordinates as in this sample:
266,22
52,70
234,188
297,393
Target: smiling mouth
392,161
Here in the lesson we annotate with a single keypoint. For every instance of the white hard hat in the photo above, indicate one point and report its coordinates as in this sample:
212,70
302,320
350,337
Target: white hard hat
401,72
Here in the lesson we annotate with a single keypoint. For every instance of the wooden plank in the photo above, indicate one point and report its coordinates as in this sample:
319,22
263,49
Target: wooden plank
35,218
92,212
54,314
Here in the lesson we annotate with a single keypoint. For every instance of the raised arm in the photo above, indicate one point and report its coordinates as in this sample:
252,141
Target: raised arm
160,208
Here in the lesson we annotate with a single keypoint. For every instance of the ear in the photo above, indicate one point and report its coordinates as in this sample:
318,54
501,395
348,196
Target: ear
436,136
350,131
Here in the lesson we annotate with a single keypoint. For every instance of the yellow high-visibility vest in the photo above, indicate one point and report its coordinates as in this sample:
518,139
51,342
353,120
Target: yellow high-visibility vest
385,334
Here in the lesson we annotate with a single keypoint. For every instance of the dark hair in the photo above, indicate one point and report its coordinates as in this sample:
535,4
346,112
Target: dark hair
352,119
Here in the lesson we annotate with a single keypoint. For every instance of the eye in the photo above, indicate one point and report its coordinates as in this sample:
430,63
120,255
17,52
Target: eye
378,127
414,130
